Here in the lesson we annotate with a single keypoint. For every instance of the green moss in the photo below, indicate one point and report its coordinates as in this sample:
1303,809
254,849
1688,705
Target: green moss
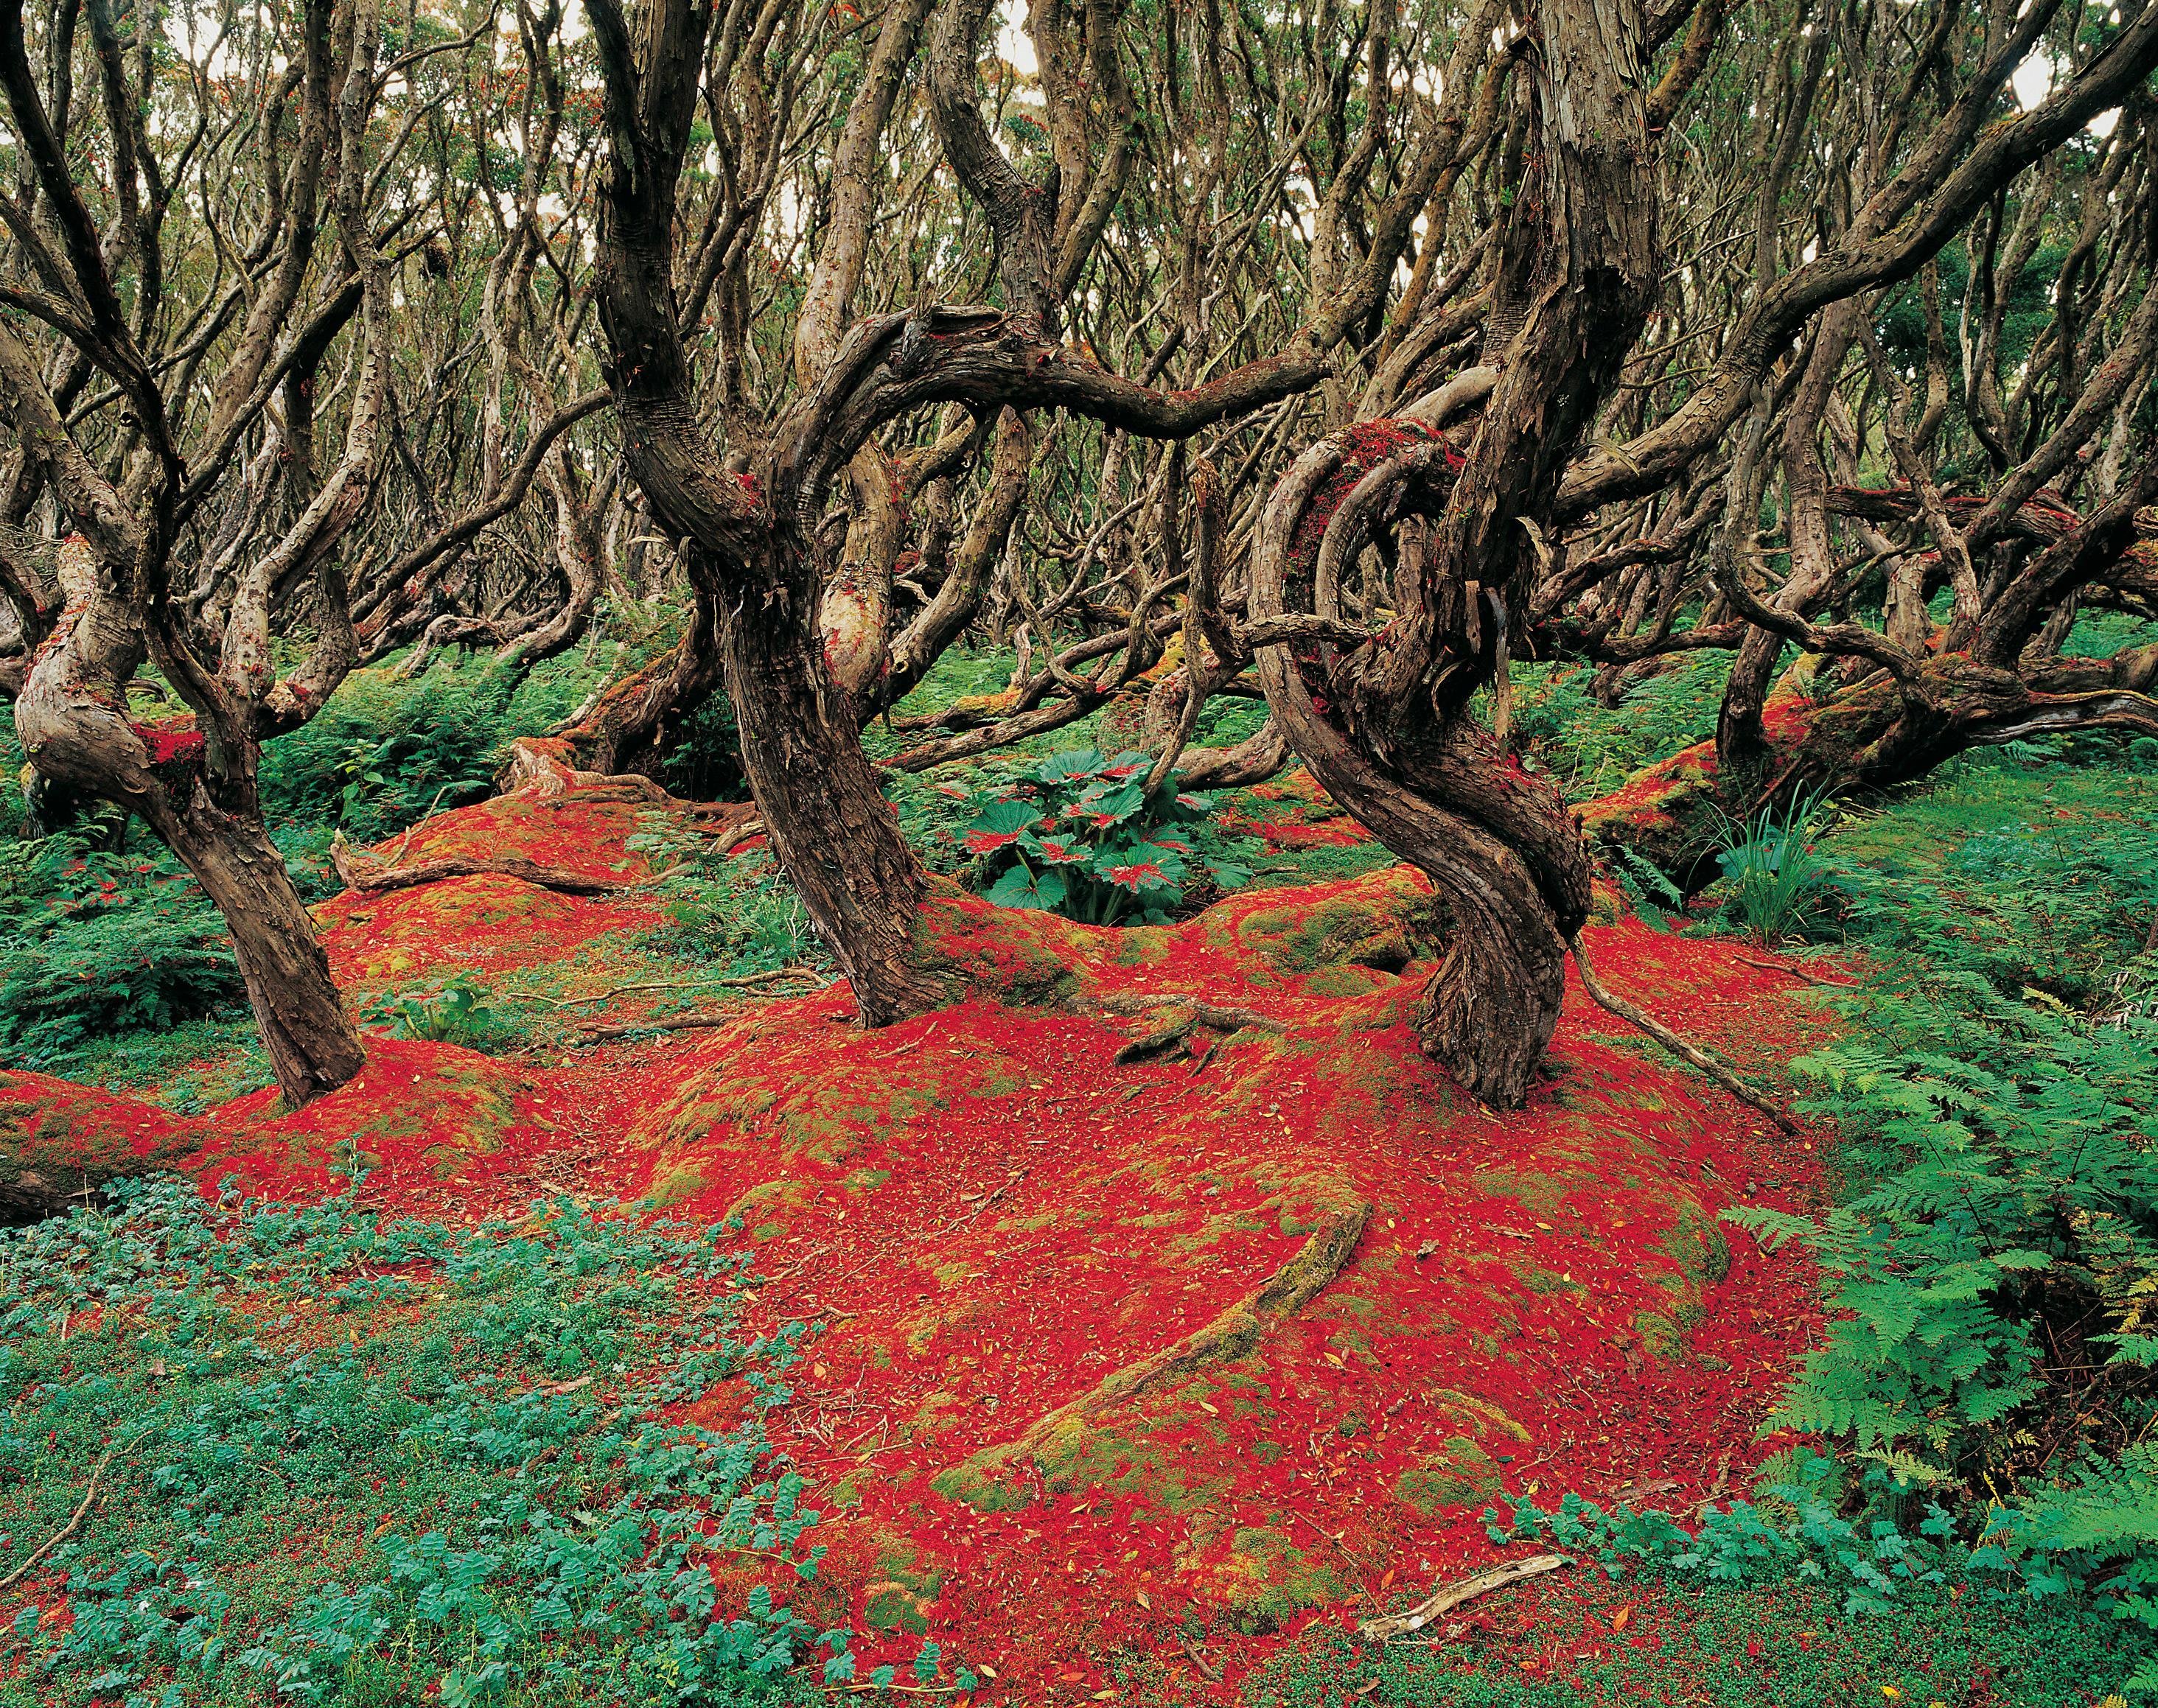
1384,922
1696,1246
1460,1475
1275,1580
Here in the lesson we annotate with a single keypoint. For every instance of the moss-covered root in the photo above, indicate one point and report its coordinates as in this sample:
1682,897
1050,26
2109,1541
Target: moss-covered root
1233,1334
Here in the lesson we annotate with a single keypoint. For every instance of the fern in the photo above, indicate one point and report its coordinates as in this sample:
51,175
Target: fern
1647,887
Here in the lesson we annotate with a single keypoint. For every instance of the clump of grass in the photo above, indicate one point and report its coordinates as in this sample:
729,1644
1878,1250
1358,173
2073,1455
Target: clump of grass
1777,882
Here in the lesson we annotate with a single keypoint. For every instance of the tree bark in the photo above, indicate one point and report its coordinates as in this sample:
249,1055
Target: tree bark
1388,728
823,806
634,723
312,1044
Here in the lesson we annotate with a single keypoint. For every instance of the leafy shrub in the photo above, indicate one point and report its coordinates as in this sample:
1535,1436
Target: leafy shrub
1794,1529
2093,1538
458,1422
2040,881
456,1012
386,751
1080,835
1588,748
1775,877
1993,1274
2096,1527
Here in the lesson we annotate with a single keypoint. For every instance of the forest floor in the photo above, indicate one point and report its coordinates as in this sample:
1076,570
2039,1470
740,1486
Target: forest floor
1145,1320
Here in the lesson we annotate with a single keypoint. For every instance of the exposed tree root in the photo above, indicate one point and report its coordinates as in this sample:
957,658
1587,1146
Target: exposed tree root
362,875
1455,1595
1640,1017
1231,1335
31,1199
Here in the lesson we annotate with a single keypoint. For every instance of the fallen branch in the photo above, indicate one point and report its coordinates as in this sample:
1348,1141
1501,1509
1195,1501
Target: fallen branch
1454,1595
1797,973
67,1529
1672,1041
685,1023
749,981
371,878
1219,1015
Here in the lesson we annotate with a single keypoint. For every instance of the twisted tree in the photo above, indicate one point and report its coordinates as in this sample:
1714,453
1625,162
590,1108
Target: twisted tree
198,280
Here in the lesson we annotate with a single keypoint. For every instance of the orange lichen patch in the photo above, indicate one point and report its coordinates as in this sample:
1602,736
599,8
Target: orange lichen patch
69,1137
489,921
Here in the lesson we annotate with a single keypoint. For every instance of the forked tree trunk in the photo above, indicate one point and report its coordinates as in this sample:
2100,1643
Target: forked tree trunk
313,1044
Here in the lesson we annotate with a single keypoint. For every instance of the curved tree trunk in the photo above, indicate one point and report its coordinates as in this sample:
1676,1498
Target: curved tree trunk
634,723
1489,1010
1387,726
823,804
313,1046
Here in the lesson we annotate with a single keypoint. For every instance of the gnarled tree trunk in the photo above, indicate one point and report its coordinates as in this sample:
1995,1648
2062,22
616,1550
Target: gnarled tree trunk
1390,734
311,1043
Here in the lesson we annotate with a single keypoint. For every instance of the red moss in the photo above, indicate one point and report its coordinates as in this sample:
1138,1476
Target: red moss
171,740
989,1215
70,1135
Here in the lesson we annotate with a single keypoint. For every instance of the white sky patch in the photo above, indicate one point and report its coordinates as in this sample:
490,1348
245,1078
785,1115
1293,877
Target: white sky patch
1013,45
2033,80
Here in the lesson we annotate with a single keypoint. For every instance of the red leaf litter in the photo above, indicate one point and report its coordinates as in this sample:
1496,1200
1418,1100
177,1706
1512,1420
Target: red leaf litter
1253,1331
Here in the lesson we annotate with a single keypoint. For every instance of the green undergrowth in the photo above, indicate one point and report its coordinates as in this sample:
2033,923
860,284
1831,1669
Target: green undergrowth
342,1458
1587,748
386,751
1785,1645
1871,1544
1987,1384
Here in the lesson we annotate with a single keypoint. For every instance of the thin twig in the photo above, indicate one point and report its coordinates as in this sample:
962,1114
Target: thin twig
1211,1673
68,1529
1453,1595
1797,973
1677,1045
685,1023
